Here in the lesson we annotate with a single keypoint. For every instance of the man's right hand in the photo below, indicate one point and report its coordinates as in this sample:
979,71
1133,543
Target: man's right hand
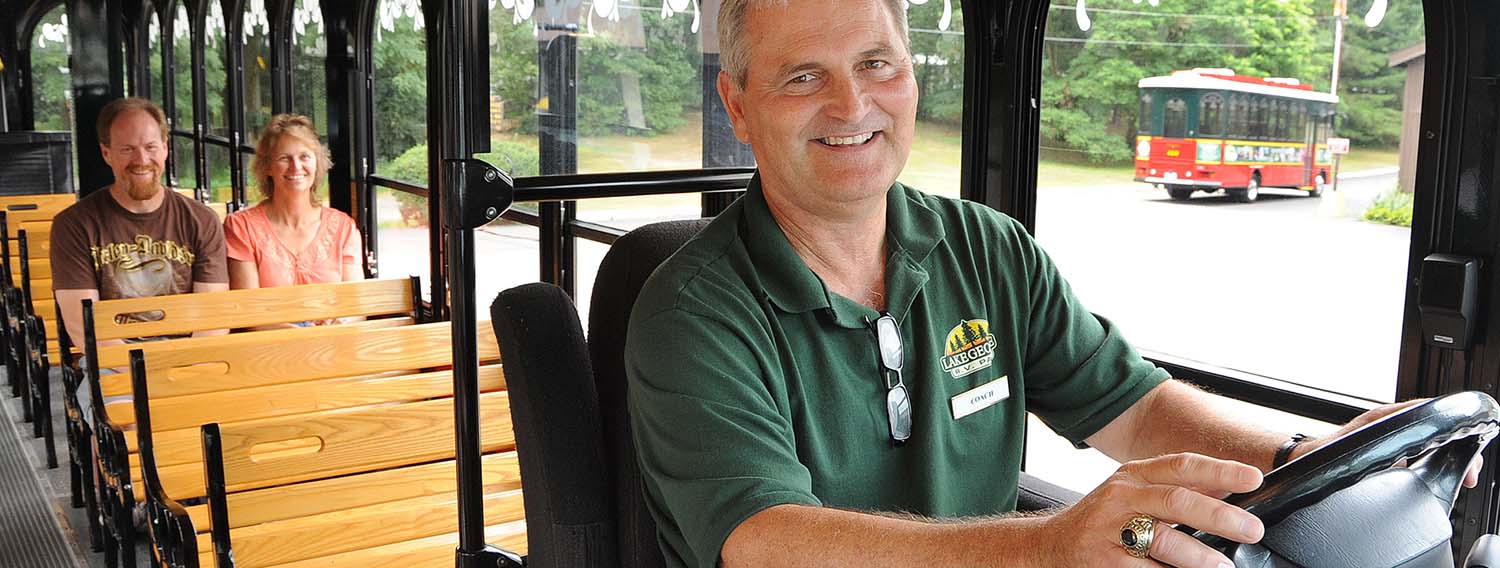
1175,489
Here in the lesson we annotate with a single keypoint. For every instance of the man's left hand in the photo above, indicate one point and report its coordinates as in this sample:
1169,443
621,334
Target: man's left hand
1471,478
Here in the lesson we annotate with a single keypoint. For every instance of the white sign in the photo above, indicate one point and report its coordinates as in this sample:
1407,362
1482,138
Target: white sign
1338,145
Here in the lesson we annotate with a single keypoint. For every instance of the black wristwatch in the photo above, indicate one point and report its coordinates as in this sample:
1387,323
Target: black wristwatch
1285,451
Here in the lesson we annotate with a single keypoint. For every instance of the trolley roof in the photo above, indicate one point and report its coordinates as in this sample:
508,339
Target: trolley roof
1226,80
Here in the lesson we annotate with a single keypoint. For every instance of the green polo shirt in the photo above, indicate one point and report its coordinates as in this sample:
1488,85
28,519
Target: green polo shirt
752,384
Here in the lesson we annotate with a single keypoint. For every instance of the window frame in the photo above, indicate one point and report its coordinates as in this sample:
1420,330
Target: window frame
1013,78
1174,121
1003,46
1211,112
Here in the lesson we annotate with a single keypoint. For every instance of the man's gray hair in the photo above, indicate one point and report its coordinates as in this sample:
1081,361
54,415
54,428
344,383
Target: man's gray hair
734,52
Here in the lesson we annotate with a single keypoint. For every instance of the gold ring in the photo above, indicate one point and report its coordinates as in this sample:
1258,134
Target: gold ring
1137,534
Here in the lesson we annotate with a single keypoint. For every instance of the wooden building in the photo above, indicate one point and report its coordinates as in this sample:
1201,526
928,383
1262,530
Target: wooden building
1414,59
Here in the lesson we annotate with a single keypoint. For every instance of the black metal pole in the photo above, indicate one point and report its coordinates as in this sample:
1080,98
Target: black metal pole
557,132
463,44
721,149
94,41
4,107
234,63
6,281
461,291
466,396
200,107
168,99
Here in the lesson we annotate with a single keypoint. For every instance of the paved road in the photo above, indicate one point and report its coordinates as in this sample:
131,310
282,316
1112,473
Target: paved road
1275,287
1278,287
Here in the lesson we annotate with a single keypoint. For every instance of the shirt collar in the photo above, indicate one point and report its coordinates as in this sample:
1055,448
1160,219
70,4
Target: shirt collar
912,229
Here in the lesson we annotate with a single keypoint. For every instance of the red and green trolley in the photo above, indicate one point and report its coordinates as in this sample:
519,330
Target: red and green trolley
1210,129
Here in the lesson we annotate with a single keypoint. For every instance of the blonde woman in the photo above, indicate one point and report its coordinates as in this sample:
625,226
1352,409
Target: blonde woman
289,238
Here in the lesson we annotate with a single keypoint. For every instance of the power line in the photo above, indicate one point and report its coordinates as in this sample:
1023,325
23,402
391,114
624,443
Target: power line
1129,42
1186,15
937,32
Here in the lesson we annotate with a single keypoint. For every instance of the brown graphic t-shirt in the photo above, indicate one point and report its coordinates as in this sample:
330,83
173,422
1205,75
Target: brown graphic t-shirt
97,244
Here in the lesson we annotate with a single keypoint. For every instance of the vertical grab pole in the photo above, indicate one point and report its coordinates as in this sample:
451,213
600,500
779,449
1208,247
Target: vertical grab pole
466,396
462,33
477,194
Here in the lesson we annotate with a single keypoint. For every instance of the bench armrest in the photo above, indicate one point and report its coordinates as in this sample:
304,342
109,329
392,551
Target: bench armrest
174,540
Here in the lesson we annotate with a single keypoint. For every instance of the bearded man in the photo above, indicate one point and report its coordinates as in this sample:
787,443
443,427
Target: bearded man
134,238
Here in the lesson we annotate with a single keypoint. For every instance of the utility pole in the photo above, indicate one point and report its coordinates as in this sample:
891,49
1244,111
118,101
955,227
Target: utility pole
1340,13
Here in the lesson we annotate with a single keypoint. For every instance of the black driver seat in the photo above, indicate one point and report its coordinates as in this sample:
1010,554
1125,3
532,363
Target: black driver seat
583,498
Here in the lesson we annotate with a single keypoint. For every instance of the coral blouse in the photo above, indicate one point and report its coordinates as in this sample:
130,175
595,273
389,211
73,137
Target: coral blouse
249,237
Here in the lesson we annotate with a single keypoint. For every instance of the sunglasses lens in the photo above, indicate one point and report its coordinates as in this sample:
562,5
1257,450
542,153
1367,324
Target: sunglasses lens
889,339
898,409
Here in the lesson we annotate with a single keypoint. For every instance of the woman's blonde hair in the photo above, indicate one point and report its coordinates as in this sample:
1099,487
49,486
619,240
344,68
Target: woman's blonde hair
300,128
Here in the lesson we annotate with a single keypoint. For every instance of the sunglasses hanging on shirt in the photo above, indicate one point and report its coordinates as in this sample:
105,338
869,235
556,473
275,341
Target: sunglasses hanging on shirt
897,401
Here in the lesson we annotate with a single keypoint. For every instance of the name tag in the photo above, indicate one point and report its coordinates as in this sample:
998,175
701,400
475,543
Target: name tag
980,398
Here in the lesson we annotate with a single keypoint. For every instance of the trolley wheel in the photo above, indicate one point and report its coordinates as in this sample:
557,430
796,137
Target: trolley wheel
1180,193
1249,193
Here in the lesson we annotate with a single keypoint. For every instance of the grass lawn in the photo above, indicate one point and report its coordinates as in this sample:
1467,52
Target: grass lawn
1067,174
1360,159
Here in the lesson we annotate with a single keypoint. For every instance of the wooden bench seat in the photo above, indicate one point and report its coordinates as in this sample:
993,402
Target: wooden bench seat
255,377
357,444
181,416
227,363
316,497
352,531
397,301
27,221
430,551
186,313
119,416
298,501
179,464
33,211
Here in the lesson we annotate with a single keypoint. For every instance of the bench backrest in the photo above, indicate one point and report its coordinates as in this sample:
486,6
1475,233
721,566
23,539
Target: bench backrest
169,413
186,313
178,456
500,470
293,449
39,245
373,441
265,374
30,268
29,211
242,360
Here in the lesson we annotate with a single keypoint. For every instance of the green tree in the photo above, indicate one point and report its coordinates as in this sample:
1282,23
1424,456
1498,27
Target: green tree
215,78
182,75
513,68
1089,92
1369,89
939,65
400,83
51,86
667,69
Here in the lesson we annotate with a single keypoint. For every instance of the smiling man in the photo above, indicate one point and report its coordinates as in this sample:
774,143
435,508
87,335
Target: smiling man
134,238
837,371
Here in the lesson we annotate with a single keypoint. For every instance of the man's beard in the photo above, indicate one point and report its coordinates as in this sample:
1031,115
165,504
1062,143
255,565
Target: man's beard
142,191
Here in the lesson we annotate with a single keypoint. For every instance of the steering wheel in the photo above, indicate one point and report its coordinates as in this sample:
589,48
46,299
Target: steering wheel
1344,505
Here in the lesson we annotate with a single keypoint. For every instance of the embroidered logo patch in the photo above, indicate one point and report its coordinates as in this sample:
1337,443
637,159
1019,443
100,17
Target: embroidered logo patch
969,348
